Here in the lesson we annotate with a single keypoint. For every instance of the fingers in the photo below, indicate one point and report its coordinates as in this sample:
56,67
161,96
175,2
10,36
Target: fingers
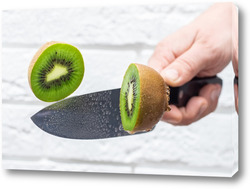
186,66
171,47
174,116
235,53
197,107
158,61
235,39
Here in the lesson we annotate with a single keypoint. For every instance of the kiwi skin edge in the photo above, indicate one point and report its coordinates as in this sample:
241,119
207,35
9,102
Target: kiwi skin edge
154,99
36,56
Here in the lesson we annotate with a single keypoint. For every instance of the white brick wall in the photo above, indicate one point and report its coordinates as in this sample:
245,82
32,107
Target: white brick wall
110,38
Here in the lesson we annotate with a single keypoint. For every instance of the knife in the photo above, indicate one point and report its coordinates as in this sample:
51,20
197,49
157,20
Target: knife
97,115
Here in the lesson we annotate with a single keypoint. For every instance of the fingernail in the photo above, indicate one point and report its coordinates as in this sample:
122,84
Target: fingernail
215,94
171,74
202,109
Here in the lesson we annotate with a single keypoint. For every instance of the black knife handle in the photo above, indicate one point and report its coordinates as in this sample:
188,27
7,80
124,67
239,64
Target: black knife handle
179,96
236,80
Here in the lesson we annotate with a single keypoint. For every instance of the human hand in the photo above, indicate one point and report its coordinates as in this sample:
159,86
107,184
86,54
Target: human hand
235,54
202,48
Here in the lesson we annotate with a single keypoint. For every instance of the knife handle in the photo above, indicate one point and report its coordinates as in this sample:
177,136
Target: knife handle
236,80
179,96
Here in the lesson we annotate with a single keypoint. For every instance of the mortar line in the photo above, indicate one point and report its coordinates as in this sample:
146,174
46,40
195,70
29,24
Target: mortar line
115,47
65,161
18,102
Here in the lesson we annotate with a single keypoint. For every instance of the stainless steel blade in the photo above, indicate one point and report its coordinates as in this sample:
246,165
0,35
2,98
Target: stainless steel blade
89,116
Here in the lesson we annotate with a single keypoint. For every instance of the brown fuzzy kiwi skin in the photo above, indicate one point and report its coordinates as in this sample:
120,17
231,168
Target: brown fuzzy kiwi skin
36,56
154,98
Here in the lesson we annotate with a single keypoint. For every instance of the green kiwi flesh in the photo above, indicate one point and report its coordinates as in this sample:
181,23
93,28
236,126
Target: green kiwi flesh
144,98
56,71
130,98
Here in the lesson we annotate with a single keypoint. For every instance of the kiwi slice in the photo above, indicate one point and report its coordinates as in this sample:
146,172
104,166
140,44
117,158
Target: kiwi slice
55,71
144,97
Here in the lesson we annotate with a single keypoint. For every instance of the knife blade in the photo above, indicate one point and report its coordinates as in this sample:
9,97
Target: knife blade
97,115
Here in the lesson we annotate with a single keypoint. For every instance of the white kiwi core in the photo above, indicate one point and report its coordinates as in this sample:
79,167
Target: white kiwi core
130,96
58,71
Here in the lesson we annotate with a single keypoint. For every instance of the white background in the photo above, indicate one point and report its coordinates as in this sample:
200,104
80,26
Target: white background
14,179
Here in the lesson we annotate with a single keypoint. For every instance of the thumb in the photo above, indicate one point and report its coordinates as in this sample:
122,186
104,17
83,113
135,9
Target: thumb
185,67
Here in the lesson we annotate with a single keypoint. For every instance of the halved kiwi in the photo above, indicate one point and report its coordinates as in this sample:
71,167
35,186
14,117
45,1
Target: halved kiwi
55,71
144,98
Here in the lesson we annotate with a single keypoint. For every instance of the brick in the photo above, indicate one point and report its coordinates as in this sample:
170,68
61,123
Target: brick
114,150
175,168
21,138
71,166
116,25
185,8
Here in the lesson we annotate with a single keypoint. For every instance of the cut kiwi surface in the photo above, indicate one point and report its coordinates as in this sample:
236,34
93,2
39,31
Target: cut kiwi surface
55,71
144,98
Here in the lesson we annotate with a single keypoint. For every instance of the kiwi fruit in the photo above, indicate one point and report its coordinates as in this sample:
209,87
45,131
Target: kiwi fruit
144,97
55,71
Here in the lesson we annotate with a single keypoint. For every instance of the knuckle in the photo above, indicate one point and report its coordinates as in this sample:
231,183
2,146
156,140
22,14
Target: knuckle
188,65
210,48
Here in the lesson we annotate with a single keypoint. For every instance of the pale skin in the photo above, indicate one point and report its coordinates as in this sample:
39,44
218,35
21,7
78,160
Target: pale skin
202,48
